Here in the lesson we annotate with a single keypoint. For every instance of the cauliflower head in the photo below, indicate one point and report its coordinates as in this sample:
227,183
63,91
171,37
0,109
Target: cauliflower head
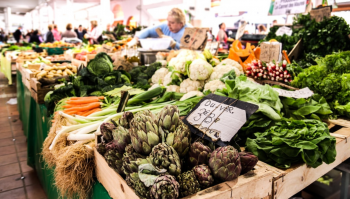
232,63
179,62
154,86
200,70
221,70
214,62
171,77
214,85
173,88
191,94
190,85
159,75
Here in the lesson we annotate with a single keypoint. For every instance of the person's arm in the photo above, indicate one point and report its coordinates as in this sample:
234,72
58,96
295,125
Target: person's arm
149,32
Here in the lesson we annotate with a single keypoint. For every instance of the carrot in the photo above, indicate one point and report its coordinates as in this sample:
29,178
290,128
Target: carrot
69,112
93,111
75,105
85,108
286,56
83,101
80,98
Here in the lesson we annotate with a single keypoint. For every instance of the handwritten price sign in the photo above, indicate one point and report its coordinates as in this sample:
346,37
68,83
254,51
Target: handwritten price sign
302,93
194,38
320,13
217,120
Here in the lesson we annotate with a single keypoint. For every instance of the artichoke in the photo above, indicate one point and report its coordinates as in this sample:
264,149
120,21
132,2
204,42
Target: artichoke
125,120
188,184
199,154
101,148
173,131
121,138
225,163
168,119
164,156
180,140
144,132
106,131
114,157
134,182
248,161
203,175
165,187
130,157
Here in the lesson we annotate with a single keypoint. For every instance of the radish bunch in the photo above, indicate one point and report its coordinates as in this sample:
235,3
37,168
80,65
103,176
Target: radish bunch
275,72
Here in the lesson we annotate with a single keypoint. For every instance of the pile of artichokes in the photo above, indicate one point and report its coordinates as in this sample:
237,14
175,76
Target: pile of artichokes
163,141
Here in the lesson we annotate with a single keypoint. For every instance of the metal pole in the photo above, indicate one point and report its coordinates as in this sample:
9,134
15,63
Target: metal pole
344,185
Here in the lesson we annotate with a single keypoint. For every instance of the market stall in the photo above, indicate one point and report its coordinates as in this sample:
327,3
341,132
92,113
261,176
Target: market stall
249,124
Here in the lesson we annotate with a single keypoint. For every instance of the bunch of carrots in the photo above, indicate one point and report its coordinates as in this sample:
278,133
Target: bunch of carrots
83,106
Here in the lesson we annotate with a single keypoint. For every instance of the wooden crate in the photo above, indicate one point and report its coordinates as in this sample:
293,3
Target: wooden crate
37,91
27,74
287,182
254,184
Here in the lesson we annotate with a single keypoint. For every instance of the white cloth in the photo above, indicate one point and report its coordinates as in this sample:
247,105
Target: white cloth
94,33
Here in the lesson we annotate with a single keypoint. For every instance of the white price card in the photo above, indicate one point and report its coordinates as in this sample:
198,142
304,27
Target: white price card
240,31
302,93
286,7
284,30
217,120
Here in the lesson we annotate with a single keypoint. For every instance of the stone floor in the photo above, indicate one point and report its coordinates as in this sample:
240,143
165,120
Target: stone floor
17,179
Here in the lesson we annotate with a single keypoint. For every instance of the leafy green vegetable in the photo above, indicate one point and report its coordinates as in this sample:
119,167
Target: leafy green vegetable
102,64
264,96
146,96
315,107
294,141
287,41
140,75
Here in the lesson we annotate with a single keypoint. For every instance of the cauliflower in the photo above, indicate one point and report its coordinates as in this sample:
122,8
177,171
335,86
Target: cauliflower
199,70
173,88
154,86
232,63
214,85
221,70
214,62
191,94
171,77
190,85
159,75
179,62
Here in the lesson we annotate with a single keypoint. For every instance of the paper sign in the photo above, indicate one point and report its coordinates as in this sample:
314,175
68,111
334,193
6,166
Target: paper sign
212,46
270,51
107,49
319,13
284,30
217,120
194,38
240,31
286,7
302,93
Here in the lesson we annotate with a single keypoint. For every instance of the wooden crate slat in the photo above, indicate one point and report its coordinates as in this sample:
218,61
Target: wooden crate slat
341,122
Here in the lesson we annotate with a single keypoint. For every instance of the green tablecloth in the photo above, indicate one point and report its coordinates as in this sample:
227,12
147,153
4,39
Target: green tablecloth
36,125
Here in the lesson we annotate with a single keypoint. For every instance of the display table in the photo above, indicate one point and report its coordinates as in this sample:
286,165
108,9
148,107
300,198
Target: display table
36,126
284,183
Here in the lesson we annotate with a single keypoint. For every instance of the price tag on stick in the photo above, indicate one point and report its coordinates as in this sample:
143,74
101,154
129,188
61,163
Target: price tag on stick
320,13
194,38
218,118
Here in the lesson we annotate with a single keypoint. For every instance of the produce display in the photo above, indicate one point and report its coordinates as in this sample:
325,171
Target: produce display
56,44
38,60
57,70
134,116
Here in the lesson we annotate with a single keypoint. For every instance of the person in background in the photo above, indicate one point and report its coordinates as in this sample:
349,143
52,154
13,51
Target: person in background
173,29
49,35
94,34
56,33
35,37
18,34
262,29
222,37
69,33
274,22
80,32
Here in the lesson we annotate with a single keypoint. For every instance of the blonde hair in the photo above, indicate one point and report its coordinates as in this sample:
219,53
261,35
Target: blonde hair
69,26
94,23
178,15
